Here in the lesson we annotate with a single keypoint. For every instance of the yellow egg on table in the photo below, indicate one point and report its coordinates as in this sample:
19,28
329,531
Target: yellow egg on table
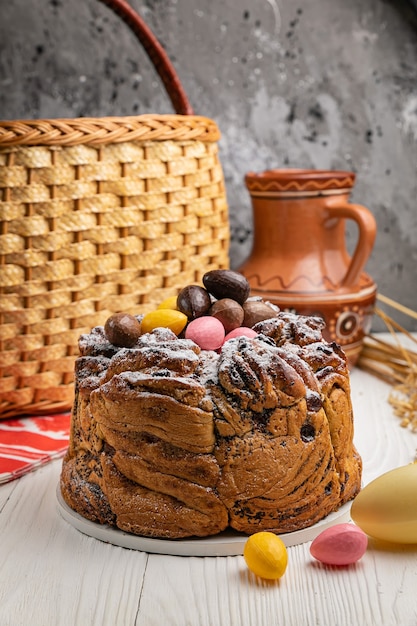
387,507
165,318
266,555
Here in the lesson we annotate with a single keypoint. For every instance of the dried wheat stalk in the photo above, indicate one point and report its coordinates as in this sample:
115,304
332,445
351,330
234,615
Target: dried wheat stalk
395,364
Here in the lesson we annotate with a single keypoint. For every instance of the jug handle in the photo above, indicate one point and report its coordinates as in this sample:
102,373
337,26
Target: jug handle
367,232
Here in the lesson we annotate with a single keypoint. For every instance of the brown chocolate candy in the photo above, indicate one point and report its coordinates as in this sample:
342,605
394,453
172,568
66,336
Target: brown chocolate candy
227,284
256,311
193,301
228,312
122,329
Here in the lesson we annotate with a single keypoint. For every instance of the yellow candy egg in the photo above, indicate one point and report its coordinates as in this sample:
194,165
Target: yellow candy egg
387,507
165,318
266,555
169,303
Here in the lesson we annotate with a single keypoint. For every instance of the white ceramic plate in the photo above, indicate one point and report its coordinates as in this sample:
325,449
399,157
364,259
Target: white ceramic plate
227,543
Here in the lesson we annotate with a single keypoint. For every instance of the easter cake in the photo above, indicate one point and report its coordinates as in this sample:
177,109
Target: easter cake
216,411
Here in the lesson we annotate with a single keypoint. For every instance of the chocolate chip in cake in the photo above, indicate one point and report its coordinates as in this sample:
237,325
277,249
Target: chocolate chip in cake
307,432
314,401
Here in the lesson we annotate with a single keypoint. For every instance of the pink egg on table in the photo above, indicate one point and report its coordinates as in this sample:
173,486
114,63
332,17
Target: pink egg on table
207,332
342,544
242,331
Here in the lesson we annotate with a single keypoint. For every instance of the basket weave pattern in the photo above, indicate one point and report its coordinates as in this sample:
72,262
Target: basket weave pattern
97,216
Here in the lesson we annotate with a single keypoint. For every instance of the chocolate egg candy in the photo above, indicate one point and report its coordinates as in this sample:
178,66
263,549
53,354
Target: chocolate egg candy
256,311
228,312
122,329
266,555
342,544
227,284
164,318
169,303
193,301
206,332
386,508
240,332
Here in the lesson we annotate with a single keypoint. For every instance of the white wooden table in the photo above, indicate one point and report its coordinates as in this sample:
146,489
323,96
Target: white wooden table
53,575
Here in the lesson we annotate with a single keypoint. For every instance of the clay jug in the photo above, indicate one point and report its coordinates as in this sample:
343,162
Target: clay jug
299,259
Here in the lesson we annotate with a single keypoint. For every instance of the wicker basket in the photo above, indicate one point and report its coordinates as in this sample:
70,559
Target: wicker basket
97,216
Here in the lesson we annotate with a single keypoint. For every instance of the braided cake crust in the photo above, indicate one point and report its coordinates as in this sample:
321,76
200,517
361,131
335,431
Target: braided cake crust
172,441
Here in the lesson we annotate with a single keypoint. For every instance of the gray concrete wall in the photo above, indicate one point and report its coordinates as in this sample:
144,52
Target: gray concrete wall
302,83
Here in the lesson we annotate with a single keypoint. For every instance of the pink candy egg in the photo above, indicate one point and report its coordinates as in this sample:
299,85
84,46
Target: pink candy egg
242,331
207,332
342,544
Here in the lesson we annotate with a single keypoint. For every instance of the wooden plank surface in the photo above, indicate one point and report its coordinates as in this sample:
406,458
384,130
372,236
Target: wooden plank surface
51,574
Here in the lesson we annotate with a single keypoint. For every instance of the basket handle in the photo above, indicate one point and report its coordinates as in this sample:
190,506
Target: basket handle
156,53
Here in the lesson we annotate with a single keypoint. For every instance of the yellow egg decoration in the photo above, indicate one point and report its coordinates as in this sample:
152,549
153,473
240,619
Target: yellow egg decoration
165,318
387,507
169,303
266,555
